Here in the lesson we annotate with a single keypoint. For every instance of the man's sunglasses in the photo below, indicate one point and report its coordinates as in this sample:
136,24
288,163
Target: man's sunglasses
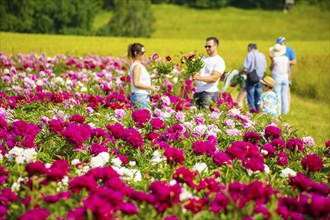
207,46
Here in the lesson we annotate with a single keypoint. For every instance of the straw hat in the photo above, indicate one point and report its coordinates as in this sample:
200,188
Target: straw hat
277,50
268,81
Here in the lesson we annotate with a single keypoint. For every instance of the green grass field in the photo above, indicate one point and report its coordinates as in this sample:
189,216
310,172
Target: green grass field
182,29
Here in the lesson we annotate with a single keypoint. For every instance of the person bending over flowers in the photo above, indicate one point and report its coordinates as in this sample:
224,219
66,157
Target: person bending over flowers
208,77
140,78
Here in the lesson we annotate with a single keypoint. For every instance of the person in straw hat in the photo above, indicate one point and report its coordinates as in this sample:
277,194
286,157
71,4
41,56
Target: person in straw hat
280,72
269,102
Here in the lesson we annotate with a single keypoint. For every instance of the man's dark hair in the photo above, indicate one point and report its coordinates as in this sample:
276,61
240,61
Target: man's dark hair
215,40
252,46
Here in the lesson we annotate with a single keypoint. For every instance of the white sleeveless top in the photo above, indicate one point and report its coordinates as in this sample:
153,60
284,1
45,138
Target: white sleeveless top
144,79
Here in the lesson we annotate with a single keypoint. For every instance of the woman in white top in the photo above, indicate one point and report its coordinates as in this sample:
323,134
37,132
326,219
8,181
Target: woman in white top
280,72
140,78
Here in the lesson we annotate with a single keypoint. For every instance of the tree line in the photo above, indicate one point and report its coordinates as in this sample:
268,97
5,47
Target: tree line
130,18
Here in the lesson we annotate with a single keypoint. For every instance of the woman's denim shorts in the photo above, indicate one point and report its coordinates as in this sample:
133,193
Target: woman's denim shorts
140,101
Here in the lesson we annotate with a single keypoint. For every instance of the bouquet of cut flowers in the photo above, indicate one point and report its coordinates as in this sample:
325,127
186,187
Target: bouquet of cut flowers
191,63
160,66
232,79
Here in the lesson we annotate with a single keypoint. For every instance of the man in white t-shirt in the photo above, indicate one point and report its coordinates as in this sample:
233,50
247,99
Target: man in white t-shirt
208,77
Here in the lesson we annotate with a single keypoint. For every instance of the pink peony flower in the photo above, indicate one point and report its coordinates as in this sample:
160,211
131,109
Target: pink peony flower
312,162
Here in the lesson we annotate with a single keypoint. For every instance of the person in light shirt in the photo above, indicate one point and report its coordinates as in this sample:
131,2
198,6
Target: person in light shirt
141,86
208,77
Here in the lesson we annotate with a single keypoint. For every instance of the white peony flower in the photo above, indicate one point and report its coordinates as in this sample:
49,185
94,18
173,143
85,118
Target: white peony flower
116,162
200,167
185,194
287,172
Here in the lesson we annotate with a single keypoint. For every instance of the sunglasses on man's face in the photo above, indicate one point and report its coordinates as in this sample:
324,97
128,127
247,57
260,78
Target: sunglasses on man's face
207,46
143,52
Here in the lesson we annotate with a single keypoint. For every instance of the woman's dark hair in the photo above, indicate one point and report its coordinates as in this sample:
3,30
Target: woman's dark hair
132,48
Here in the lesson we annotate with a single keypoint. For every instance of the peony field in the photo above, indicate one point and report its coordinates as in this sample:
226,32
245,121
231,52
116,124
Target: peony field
72,147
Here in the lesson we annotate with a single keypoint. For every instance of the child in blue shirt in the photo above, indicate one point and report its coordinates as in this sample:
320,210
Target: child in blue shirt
269,102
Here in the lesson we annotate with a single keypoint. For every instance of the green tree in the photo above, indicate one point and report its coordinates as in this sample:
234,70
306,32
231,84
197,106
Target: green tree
131,18
48,16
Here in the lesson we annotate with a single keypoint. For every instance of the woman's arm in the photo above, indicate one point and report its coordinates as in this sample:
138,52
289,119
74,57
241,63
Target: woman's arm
136,80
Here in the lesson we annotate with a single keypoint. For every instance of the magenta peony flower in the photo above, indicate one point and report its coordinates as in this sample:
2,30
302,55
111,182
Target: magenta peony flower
123,158
312,162
9,195
3,122
262,210
251,137
152,135
117,130
164,195
219,203
133,138
201,147
221,158
171,217
301,182
36,168
140,117
294,144
78,213
26,201
42,214
157,123
3,175
77,118
174,156
52,198
272,132
327,144
80,182
270,150
195,205
128,208
236,189
210,185
56,126
184,175
282,159
254,163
